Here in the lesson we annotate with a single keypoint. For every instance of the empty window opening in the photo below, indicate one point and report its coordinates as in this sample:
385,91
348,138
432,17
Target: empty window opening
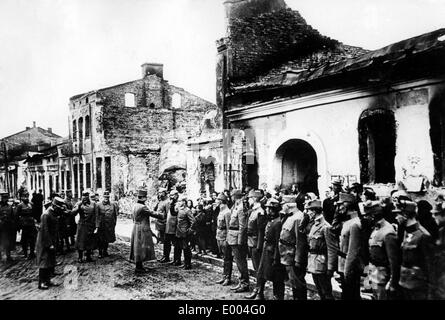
130,100
377,146
437,136
176,101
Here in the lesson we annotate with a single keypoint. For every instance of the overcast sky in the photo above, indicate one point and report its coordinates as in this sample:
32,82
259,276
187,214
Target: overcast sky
54,49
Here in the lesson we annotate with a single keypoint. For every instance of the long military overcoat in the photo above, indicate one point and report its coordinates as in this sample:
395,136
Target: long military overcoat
142,246
85,237
46,237
106,220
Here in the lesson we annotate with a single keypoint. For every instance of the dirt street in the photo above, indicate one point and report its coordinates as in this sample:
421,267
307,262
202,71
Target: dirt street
114,278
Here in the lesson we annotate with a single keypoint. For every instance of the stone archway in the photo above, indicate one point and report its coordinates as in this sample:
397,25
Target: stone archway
298,165
304,141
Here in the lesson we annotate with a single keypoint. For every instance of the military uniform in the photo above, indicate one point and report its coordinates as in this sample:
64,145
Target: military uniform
106,221
322,259
349,262
184,233
162,209
237,240
7,230
270,267
70,221
85,237
142,246
223,221
46,243
293,249
170,234
28,226
256,224
416,268
383,259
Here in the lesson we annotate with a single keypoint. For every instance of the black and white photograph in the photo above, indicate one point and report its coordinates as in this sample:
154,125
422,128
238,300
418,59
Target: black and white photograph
231,150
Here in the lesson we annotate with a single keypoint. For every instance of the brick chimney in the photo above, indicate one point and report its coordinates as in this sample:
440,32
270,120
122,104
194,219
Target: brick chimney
50,130
33,124
153,68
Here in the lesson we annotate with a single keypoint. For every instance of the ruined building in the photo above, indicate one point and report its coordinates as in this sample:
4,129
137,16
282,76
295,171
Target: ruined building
315,108
15,149
132,134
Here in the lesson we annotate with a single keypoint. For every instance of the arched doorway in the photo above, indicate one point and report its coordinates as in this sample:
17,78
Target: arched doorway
298,165
377,143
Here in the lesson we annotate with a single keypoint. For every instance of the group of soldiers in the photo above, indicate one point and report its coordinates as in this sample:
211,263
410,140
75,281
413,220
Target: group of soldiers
47,234
291,233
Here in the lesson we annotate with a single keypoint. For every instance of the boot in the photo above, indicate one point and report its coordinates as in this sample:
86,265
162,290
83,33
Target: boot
253,294
220,281
101,253
139,268
80,259
43,279
236,287
227,282
242,288
89,259
260,296
25,251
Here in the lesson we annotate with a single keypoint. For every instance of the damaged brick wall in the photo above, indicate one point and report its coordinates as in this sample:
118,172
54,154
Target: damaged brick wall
260,43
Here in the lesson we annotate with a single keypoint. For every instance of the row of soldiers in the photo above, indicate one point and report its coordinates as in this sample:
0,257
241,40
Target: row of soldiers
290,235
57,226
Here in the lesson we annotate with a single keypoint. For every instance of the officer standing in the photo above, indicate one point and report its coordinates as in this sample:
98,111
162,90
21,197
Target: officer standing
384,263
322,259
329,204
256,223
107,218
293,247
270,267
163,207
28,226
142,246
350,265
46,242
184,232
237,239
7,228
70,221
221,238
87,227
170,231
416,267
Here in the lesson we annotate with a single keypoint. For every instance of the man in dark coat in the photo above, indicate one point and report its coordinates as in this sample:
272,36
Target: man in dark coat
329,206
270,267
46,242
71,226
7,228
37,204
107,217
87,227
142,246
201,228
28,226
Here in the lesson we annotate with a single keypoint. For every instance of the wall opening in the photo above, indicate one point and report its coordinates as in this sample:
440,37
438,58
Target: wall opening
207,169
88,175
377,146
250,170
176,101
87,127
130,100
108,173
437,136
74,130
76,181
98,173
82,186
299,165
